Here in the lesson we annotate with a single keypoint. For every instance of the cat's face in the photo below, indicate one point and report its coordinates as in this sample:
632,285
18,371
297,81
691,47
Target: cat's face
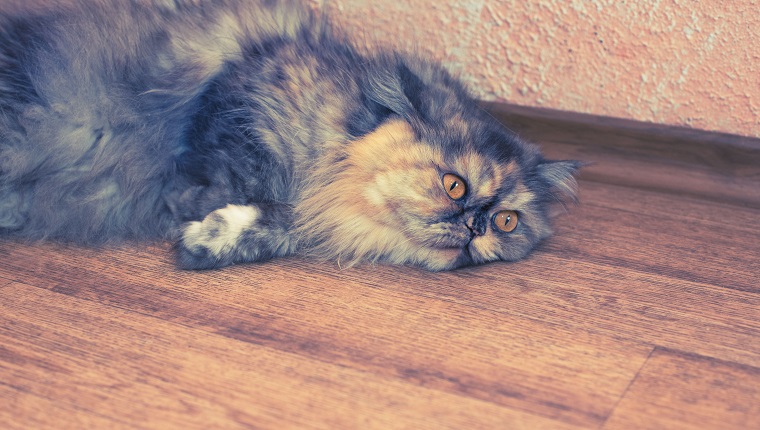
450,209
402,199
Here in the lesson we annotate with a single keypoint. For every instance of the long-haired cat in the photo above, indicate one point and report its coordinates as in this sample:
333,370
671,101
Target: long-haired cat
246,130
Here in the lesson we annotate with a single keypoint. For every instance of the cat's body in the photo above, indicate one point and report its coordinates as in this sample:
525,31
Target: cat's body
249,130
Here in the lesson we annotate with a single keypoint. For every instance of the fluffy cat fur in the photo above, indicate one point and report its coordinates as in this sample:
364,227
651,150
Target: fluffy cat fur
246,130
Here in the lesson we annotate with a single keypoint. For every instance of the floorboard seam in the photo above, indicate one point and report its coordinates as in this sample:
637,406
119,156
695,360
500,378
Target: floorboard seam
744,367
628,387
6,280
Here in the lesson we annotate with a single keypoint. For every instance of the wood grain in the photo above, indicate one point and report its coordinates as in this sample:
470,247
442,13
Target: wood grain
22,411
684,391
173,376
304,311
643,311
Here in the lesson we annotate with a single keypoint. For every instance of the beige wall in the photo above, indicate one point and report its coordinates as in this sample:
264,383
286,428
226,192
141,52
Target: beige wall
681,62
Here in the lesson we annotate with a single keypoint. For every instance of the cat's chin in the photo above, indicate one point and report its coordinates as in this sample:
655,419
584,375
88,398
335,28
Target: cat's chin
440,259
456,239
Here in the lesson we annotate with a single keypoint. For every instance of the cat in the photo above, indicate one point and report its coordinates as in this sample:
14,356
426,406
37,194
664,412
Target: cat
248,130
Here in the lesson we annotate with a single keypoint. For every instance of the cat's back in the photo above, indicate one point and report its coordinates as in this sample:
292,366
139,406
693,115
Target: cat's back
95,97
92,42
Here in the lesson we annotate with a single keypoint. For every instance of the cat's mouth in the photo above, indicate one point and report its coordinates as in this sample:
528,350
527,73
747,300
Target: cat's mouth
450,241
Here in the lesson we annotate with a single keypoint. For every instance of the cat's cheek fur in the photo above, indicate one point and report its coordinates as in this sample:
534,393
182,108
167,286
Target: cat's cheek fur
437,260
355,209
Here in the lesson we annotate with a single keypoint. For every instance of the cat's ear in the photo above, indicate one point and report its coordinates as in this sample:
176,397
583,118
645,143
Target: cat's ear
559,178
397,89
412,87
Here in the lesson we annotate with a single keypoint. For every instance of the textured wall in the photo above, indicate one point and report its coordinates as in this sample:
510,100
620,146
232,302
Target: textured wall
682,62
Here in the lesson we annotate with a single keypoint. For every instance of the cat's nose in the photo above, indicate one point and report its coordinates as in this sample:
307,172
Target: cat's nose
476,228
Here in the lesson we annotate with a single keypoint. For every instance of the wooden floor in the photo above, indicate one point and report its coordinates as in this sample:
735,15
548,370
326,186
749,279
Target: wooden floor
642,312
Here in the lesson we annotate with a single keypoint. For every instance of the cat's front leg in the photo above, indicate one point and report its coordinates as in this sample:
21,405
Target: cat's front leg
236,234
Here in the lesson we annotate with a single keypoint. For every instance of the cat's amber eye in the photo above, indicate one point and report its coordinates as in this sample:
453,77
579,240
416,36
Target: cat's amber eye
454,186
505,221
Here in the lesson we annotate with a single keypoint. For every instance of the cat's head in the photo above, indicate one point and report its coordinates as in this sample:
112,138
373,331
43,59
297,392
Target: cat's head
435,183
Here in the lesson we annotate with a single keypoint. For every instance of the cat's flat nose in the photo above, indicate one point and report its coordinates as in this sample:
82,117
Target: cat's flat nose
476,228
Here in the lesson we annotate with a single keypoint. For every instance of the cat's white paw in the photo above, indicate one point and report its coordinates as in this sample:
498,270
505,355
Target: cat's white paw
209,243
221,229
236,234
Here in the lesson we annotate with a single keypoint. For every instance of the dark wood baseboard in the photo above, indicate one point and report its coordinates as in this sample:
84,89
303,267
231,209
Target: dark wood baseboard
715,166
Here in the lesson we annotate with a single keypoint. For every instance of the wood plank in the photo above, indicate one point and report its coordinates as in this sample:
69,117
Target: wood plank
644,239
490,356
151,373
686,209
676,390
592,298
